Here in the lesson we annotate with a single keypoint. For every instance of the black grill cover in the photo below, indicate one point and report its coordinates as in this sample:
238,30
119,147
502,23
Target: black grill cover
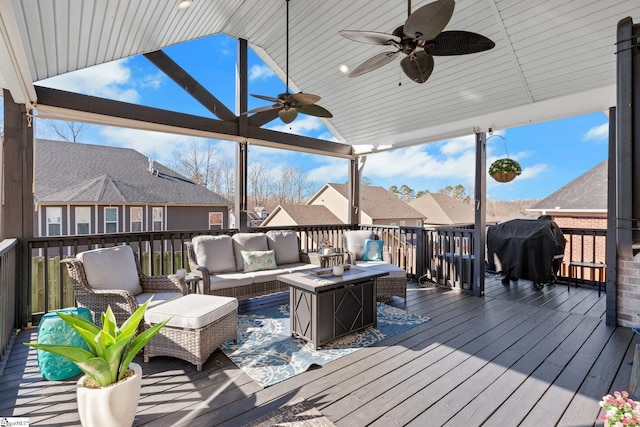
526,248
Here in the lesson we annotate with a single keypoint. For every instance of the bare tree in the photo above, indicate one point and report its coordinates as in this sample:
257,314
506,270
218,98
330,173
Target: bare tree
195,163
222,178
65,130
260,184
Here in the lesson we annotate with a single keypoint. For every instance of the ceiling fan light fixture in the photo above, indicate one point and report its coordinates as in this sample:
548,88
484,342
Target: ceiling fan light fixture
184,4
419,38
344,68
288,104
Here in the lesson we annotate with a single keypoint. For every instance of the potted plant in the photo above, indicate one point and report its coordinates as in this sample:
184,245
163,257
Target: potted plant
108,393
505,170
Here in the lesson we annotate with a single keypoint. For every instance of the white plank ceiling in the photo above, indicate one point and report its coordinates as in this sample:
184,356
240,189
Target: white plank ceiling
553,58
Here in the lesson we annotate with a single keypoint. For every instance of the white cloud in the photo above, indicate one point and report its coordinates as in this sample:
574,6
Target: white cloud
155,145
303,125
333,170
327,136
534,171
598,133
260,72
110,80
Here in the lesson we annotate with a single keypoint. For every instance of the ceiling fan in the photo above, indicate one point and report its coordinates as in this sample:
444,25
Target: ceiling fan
290,104
420,38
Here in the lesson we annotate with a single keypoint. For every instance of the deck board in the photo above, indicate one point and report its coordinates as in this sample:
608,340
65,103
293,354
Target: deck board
516,355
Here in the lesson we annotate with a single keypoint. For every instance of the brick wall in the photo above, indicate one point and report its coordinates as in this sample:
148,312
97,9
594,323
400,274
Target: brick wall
583,248
628,291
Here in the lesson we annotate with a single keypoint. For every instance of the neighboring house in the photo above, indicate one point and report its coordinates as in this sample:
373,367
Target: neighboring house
377,205
86,189
284,215
582,203
257,216
441,209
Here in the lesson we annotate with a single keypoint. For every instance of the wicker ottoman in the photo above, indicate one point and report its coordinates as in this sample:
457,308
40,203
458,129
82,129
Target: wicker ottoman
198,325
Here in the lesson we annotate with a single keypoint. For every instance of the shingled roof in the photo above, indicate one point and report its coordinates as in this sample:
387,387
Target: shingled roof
379,203
68,172
587,193
441,209
304,215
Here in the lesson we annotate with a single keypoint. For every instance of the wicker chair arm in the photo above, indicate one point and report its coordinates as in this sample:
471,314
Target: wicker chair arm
351,258
162,284
304,257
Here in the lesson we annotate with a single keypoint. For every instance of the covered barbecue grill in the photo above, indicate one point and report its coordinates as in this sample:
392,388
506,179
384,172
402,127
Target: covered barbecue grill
526,249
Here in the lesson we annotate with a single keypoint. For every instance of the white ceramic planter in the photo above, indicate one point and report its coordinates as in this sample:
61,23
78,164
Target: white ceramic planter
112,406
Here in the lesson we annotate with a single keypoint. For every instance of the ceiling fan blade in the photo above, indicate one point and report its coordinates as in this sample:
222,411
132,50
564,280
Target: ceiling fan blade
417,67
261,109
458,43
303,98
287,116
429,20
370,37
373,63
315,110
268,98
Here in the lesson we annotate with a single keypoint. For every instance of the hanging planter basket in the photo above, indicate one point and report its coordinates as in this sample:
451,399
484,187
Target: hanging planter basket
505,170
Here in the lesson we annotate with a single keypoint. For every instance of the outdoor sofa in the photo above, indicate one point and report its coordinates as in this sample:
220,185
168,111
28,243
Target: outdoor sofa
219,262
225,270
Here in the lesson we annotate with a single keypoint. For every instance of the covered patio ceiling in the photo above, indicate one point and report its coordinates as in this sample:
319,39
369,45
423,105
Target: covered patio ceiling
552,59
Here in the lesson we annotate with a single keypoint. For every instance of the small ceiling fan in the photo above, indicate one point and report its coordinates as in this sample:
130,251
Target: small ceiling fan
420,38
290,104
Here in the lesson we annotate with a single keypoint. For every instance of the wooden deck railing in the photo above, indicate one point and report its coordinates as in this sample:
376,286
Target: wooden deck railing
442,255
8,266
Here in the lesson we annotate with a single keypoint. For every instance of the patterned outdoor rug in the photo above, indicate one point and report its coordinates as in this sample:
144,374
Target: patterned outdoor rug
268,353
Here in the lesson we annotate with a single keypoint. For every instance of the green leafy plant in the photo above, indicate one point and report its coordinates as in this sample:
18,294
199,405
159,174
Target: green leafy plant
111,349
505,165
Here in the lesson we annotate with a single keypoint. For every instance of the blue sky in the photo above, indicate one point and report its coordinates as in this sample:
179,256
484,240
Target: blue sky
551,154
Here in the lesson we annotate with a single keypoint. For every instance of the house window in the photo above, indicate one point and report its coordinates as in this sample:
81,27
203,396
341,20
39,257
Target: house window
158,214
215,220
110,220
54,221
83,220
136,219
418,223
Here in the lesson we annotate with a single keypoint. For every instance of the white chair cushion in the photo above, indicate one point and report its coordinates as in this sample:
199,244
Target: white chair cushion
248,242
111,268
285,245
215,253
298,266
355,241
158,297
383,266
193,311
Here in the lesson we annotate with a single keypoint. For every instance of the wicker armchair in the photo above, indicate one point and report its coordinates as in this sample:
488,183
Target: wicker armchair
354,243
123,302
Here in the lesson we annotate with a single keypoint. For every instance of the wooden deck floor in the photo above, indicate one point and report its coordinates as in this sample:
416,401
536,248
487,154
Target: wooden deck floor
514,357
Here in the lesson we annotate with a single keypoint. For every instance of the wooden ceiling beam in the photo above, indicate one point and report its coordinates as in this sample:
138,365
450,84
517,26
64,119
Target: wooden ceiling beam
190,85
113,113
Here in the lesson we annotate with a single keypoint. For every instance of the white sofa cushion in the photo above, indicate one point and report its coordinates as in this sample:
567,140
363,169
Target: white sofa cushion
111,268
355,240
248,242
298,266
266,275
285,245
215,253
193,311
229,280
